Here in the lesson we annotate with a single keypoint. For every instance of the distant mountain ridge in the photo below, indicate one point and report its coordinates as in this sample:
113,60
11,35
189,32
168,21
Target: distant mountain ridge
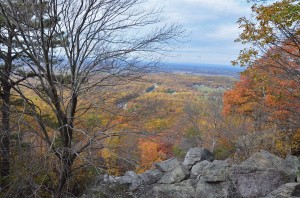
203,69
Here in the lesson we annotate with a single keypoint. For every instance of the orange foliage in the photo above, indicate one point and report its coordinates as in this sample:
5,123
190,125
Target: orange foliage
149,154
270,87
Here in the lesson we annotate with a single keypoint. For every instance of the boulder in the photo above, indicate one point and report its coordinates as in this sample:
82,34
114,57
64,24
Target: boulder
167,165
196,155
263,159
125,180
224,189
128,178
296,191
213,179
178,190
199,168
109,178
176,175
284,191
216,171
291,164
146,178
256,182
131,178
151,176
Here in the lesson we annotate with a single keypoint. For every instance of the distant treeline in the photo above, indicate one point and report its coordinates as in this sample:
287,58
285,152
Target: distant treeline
206,69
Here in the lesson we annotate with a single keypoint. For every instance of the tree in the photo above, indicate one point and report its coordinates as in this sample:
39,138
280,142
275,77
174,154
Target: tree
11,75
274,37
268,91
102,44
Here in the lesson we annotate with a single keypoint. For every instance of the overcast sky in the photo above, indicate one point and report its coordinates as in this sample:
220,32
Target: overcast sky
212,27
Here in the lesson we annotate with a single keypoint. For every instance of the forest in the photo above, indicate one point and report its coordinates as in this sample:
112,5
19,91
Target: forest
82,93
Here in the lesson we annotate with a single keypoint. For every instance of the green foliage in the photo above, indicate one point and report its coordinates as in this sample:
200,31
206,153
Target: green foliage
192,133
223,152
50,121
178,152
274,24
170,91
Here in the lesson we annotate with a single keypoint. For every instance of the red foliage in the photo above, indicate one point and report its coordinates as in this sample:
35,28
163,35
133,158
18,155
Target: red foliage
271,87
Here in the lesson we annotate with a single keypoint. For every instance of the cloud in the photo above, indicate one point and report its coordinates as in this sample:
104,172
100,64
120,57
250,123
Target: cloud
212,26
226,31
205,9
233,7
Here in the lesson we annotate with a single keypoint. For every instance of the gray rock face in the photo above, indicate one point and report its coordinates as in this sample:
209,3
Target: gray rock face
284,191
176,175
178,190
199,168
216,171
125,179
167,165
262,175
255,182
291,164
263,159
151,176
213,180
224,189
135,181
196,155
110,179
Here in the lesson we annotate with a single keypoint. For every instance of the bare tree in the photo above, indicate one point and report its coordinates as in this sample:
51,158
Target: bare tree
11,75
76,48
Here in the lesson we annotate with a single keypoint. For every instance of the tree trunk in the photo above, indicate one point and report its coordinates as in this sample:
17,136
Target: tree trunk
5,136
5,110
65,171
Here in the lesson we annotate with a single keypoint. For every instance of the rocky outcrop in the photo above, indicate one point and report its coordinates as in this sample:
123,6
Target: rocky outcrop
263,159
262,175
167,165
284,191
183,189
256,182
176,175
197,154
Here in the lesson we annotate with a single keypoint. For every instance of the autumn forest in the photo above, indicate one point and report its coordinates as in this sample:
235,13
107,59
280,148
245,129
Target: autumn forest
84,92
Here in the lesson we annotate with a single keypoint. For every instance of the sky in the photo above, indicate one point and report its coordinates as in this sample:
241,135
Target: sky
211,27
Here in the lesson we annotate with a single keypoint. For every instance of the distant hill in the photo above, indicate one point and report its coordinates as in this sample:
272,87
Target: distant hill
203,69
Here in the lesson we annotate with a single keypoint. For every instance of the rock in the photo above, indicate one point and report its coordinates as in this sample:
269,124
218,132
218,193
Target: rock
151,176
224,189
196,155
131,174
213,179
256,182
109,179
125,180
296,191
198,168
136,184
167,165
263,159
291,164
216,171
176,175
107,190
262,175
178,190
284,191
148,177
128,178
